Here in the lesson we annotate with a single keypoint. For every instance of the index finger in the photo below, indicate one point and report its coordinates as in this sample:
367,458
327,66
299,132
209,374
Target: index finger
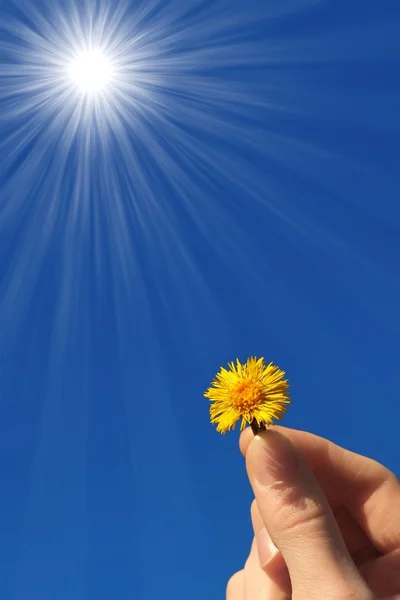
370,491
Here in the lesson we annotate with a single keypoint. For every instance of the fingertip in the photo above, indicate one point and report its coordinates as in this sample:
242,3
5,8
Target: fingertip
235,586
247,436
272,563
272,457
244,440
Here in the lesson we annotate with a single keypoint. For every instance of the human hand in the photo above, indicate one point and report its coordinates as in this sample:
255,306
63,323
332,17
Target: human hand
333,516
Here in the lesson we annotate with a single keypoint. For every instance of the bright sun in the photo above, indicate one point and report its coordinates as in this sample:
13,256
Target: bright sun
91,71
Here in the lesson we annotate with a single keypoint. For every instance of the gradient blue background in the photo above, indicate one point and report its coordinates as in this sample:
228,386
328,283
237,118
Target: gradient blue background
113,483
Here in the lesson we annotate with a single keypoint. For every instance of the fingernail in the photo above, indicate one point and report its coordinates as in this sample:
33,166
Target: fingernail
266,547
273,458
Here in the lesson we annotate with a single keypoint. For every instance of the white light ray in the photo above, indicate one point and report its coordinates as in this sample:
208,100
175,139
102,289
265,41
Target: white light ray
119,100
77,66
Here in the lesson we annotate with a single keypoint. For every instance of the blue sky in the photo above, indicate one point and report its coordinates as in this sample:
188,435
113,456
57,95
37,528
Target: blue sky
236,194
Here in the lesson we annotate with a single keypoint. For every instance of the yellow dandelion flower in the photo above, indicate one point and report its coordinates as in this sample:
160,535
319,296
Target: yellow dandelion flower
254,392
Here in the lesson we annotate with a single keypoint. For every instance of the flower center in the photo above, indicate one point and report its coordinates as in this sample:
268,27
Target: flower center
247,395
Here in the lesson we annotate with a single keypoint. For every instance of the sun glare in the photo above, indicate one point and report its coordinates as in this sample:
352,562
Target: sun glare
91,71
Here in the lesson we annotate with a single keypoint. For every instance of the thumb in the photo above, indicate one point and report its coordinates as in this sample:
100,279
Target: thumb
300,521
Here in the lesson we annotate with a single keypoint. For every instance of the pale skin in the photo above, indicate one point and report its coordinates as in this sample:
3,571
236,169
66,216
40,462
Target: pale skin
326,522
